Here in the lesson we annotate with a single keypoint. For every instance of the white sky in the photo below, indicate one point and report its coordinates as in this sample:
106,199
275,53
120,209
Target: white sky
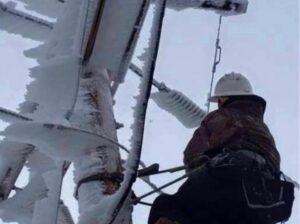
263,45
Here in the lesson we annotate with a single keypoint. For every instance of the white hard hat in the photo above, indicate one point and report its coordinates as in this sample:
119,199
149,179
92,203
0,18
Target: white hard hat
232,84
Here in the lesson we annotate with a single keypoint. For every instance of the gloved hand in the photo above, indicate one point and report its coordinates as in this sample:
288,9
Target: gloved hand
197,162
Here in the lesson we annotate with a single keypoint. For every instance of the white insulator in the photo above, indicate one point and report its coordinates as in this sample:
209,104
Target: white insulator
180,106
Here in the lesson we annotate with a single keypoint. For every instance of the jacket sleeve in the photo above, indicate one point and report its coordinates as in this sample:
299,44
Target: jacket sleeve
198,143
217,128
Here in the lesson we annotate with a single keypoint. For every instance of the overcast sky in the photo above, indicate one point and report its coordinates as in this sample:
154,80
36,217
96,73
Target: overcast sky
263,45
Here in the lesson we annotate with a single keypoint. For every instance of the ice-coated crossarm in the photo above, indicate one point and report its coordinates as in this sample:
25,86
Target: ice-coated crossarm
223,7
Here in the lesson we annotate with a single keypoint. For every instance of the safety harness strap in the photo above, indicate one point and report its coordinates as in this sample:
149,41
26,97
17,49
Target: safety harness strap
112,179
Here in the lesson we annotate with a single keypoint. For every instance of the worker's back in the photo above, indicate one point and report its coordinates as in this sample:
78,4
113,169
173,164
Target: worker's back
237,125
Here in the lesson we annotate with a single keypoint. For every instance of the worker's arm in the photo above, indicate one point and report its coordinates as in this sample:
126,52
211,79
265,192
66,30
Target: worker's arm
216,129
197,145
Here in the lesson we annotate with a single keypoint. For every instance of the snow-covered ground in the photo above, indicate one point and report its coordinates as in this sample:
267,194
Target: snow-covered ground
258,44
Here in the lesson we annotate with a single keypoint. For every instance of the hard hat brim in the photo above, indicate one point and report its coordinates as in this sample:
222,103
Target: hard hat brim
214,99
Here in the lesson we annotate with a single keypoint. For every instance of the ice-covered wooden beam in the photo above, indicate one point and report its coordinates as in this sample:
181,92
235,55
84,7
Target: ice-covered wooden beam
55,84
223,7
52,173
19,208
12,159
55,140
53,92
14,21
50,9
116,38
10,8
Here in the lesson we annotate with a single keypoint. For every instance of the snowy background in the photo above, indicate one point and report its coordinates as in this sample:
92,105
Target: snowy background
263,45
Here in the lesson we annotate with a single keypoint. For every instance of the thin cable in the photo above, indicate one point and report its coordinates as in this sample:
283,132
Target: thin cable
198,169
145,203
217,59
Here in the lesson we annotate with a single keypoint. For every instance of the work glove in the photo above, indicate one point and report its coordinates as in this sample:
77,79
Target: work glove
197,162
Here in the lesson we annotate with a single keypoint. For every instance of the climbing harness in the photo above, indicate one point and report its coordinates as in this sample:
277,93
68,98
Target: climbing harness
217,60
114,178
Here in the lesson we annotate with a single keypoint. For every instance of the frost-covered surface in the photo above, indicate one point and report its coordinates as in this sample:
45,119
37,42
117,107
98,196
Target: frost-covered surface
223,7
57,141
93,112
53,180
89,20
50,206
101,212
12,117
132,41
54,89
55,86
33,203
116,27
180,106
39,163
52,94
62,143
22,208
49,9
51,98
19,208
17,22
12,159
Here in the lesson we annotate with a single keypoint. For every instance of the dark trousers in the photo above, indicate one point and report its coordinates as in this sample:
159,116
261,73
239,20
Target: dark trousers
210,196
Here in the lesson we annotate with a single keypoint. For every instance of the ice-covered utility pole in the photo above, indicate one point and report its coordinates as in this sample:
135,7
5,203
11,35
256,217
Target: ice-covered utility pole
99,172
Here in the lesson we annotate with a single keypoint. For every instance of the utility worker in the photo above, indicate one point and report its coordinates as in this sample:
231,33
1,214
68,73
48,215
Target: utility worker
233,166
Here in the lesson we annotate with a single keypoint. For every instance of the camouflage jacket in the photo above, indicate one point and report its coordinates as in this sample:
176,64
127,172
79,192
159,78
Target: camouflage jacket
238,124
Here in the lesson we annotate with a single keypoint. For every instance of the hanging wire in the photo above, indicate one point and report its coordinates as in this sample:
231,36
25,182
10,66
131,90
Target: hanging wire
186,175
217,59
145,203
